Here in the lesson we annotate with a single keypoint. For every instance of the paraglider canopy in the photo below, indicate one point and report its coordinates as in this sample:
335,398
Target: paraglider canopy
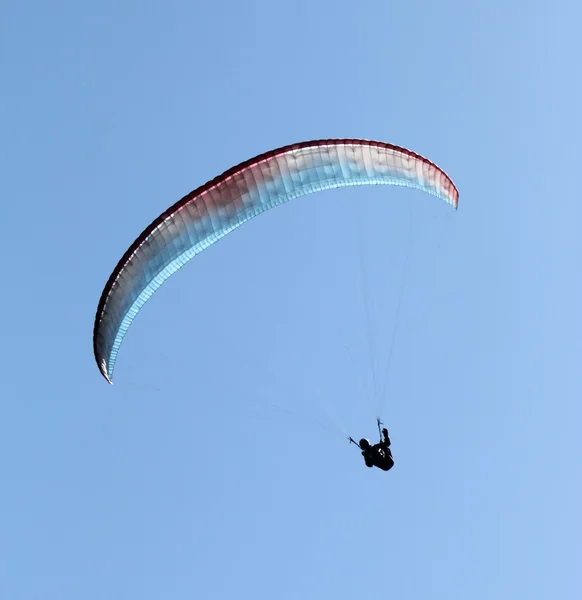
241,193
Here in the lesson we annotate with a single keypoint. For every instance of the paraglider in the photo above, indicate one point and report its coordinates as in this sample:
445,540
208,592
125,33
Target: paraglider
379,455
241,193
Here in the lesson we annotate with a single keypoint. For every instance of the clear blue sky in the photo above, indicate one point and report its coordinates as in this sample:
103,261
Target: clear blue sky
204,473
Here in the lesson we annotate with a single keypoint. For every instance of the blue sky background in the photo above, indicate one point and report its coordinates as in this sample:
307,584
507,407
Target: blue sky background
205,472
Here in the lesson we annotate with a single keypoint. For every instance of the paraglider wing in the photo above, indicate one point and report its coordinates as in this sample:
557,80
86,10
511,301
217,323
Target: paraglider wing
241,193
